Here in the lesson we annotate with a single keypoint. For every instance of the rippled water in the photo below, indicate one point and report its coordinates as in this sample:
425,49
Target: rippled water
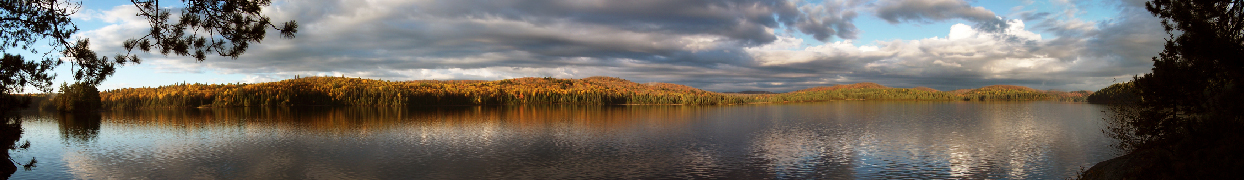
829,140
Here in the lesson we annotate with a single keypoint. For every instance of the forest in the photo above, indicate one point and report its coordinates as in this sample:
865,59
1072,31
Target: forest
341,91
1120,93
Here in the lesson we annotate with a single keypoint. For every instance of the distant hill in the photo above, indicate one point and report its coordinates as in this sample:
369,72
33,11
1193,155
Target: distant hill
860,91
874,91
863,85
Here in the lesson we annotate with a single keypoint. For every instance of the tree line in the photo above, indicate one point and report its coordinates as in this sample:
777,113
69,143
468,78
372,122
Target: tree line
873,91
339,91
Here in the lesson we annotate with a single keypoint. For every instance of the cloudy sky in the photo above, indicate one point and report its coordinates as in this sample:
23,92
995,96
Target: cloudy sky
719,45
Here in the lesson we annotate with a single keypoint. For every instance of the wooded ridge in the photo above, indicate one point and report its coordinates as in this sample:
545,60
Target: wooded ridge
340,91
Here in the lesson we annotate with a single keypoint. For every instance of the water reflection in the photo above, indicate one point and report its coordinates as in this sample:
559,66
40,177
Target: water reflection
80,128
834,140
934,140
800,153
369,119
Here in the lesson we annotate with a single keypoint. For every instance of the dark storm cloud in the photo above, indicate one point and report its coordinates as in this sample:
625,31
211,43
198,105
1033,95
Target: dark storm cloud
896,11
542,33
715,45
697,37
742,20
832,18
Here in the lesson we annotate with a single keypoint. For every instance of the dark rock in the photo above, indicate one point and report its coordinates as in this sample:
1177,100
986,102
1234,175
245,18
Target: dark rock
1145,164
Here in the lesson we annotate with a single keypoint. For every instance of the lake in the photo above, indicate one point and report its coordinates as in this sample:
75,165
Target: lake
825,140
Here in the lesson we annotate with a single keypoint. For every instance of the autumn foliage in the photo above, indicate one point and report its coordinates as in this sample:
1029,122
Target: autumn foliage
335,91
338,91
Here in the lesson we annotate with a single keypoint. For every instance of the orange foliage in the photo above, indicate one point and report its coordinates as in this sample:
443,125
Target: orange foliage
336,91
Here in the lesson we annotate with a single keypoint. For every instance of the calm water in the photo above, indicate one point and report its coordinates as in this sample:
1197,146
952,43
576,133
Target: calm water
829,140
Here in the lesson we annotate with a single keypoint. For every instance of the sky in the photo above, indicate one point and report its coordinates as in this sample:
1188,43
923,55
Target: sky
716,45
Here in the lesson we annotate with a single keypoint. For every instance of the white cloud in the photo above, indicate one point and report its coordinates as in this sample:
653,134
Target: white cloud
965,49
1015,28
726,46
1014,55
961,31
123,25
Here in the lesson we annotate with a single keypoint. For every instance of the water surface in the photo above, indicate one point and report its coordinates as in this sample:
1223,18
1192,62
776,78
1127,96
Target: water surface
828,140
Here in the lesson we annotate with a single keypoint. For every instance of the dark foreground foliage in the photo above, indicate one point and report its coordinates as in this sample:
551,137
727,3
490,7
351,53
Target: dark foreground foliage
1121,93
1188,120
10,133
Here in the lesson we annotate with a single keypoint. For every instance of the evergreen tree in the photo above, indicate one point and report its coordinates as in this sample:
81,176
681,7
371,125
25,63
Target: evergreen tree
79,97
1187,122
